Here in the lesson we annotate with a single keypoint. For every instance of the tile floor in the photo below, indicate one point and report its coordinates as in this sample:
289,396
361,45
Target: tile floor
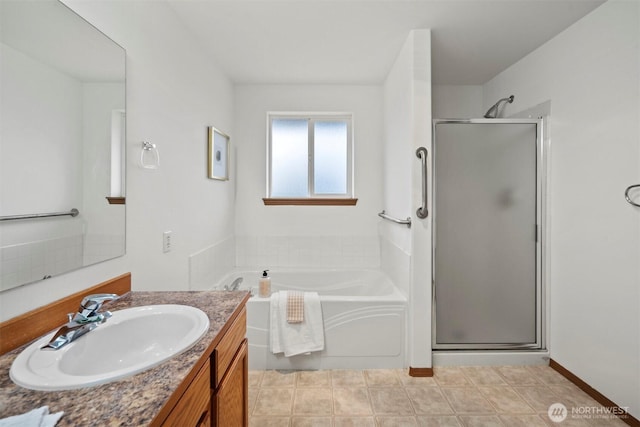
508,396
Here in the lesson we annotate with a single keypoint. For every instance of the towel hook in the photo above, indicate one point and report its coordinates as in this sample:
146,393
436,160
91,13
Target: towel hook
626,194
153,153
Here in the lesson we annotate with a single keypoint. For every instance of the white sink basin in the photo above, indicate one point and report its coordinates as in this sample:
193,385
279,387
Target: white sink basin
131,341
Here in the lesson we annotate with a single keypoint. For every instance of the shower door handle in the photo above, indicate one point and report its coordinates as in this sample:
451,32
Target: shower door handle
422,211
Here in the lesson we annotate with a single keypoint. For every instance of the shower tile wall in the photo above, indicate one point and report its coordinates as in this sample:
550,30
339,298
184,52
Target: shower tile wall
308,252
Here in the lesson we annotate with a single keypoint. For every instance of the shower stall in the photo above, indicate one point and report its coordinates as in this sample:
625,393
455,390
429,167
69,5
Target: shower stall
488,184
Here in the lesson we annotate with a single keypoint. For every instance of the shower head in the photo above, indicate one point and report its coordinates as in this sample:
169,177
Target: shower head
492,113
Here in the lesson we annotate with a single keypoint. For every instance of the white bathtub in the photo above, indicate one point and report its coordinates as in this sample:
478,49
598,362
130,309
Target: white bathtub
364,319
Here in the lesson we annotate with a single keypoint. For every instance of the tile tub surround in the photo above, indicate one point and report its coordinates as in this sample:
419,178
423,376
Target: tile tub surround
506,396
30,262
136,400
342,252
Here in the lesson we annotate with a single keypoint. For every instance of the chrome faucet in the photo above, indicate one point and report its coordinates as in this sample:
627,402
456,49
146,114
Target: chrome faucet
85,320
234,285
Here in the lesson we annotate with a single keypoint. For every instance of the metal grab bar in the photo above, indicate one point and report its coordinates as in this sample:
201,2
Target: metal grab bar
626,194
406,222
422,211
73,212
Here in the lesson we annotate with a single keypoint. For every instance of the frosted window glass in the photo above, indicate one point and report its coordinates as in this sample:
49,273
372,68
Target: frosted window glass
330,157
289,158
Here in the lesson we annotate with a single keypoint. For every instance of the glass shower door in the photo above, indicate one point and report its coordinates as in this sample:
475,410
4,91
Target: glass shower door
486,252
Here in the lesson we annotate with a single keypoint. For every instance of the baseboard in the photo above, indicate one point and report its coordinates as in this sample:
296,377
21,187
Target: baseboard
420,372
595,394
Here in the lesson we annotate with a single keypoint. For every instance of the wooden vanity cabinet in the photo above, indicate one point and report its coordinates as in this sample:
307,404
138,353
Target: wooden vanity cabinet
194,407
230,401
230,382
213,392
219,394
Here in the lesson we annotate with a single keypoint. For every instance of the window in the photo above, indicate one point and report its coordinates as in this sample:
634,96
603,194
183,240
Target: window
310,157
118,146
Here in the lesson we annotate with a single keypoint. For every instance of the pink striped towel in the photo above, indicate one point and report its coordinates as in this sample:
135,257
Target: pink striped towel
295,306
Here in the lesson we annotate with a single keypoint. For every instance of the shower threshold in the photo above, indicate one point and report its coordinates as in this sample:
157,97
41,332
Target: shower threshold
489,357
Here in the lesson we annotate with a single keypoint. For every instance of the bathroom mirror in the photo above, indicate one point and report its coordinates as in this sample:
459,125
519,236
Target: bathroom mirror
62,133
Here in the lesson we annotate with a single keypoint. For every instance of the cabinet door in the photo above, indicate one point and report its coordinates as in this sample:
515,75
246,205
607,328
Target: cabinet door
231,401
193,408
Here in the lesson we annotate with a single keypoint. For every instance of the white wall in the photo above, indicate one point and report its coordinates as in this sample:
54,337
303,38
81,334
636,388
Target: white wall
457,101
406,253
590,74
174,91
300,235
398,153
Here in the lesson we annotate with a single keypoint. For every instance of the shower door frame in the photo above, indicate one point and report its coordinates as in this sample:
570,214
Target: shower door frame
540,231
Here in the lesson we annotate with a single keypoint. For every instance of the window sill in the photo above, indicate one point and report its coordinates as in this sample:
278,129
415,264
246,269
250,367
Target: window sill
116,200
309,202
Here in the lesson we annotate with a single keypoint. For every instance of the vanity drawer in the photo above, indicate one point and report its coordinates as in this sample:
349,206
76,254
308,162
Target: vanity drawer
228,346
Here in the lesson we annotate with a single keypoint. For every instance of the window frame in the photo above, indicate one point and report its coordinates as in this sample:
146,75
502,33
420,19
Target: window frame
313,198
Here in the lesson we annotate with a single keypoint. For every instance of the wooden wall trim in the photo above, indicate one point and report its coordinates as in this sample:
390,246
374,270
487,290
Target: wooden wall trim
35,323
420,372
595,394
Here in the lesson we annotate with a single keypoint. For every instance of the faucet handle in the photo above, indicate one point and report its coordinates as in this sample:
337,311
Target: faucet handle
92,303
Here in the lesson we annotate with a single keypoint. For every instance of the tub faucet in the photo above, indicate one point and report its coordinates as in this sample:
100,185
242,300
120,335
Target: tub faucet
85,320
234,285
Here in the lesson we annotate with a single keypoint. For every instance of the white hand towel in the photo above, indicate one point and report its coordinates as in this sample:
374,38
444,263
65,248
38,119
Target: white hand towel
296,338
274,328
36,418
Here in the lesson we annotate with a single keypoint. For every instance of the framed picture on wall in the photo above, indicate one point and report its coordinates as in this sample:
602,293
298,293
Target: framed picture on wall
218,155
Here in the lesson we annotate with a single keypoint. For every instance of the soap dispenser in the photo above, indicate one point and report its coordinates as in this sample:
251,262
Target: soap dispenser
264,285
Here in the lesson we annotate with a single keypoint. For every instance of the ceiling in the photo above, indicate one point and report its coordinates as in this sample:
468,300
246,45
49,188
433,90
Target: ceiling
49,32
357,41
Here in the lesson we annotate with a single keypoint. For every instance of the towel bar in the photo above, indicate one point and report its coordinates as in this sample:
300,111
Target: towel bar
73,212
406,222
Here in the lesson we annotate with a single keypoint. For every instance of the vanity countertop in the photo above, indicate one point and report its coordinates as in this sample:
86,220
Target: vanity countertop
136,400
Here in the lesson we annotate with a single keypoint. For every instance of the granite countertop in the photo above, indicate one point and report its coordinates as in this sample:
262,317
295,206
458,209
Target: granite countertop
132,401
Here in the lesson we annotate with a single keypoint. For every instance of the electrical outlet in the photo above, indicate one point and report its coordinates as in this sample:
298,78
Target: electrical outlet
166,241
